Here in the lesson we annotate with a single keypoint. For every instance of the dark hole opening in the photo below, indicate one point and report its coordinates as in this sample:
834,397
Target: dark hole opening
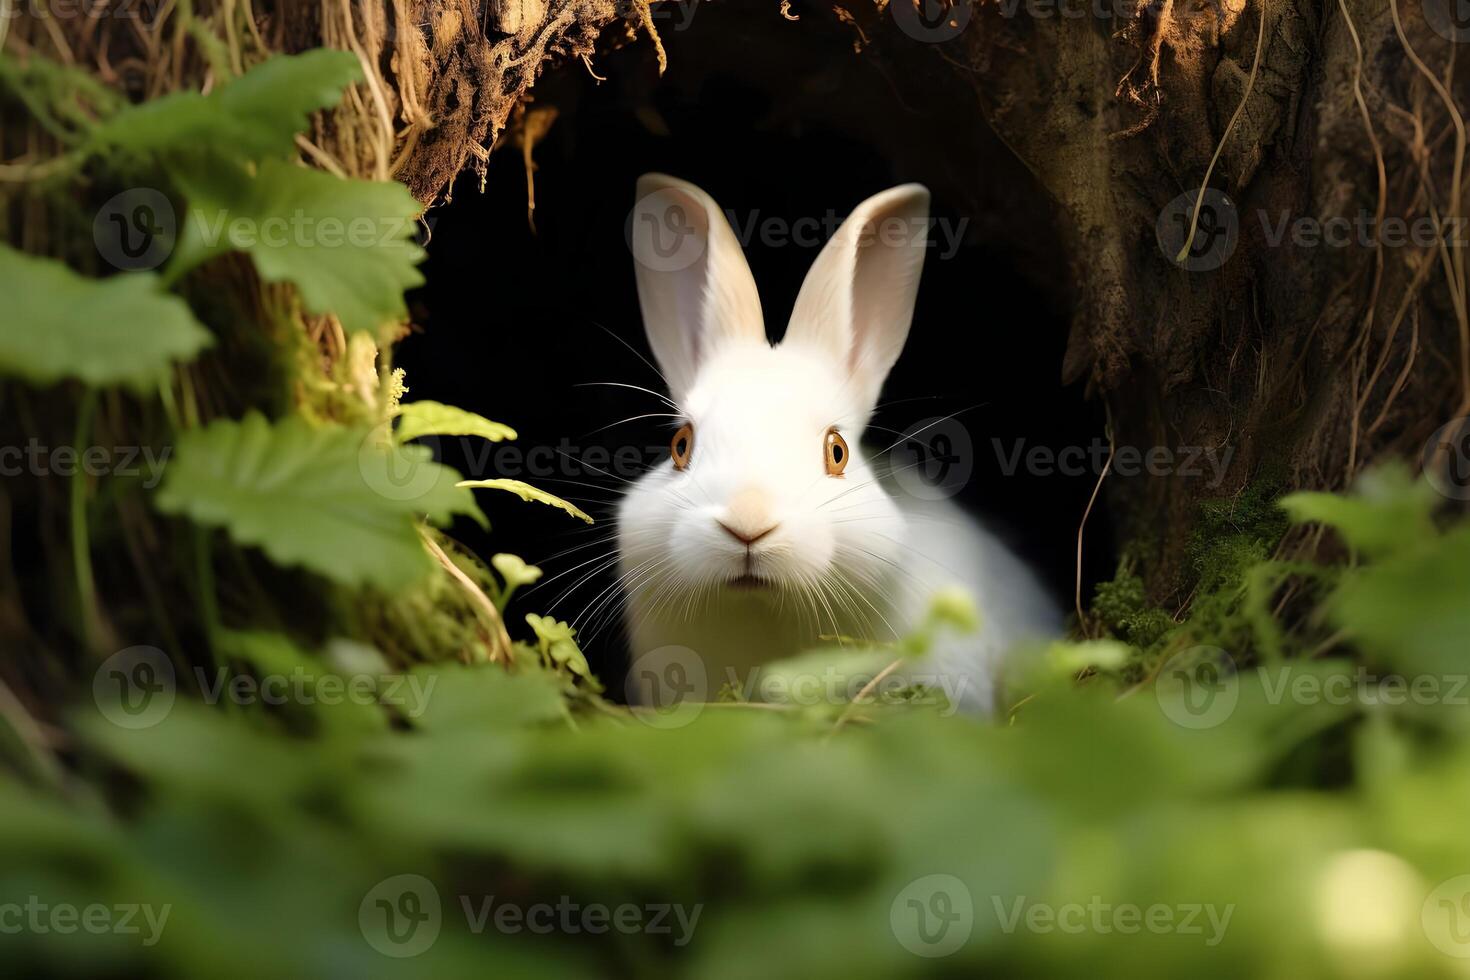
785,127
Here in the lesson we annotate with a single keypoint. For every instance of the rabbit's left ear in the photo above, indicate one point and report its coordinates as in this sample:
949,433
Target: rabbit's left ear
858,299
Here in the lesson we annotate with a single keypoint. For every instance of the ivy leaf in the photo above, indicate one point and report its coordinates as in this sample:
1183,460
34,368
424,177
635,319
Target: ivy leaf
121,330
345,244
333,500
255,116
426,418
527,492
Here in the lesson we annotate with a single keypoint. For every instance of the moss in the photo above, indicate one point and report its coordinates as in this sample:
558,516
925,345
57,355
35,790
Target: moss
1122,606
1235,533
1233,536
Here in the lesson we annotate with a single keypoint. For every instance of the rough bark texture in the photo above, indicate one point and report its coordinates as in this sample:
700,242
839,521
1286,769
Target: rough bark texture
1309,361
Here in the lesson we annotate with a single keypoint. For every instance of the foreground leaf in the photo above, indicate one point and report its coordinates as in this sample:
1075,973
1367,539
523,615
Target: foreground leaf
332,500
347,245
254,117
1388,511
121,330
527,492
426,418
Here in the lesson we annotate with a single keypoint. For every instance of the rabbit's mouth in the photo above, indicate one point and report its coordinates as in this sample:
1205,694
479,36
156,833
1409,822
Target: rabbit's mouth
748,581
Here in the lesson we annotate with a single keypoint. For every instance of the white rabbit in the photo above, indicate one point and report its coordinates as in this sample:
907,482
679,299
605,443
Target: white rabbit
768,528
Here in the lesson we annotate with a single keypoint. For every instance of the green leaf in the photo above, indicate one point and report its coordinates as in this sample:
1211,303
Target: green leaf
347,245
487,698
253,117
1412,609
557,641
332,500
514,570
121,330
426,418
527,492
1388,511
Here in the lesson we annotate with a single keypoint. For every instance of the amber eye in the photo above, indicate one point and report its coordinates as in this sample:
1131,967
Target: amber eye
835,452
682,447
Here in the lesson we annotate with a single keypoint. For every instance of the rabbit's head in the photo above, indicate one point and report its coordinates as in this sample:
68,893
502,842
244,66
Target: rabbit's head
766,486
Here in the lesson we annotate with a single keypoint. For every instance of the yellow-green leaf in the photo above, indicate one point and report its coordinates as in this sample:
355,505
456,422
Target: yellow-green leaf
527,492
426,418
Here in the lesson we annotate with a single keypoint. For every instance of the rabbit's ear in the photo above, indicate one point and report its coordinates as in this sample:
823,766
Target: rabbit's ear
694,287
858,299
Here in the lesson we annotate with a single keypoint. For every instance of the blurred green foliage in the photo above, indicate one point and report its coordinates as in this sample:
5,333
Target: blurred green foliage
1163,832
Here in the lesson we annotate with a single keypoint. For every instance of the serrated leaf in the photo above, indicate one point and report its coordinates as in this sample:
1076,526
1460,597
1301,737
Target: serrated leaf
58,324
529,493
1387,511
333,500
347,245
253,117
427,418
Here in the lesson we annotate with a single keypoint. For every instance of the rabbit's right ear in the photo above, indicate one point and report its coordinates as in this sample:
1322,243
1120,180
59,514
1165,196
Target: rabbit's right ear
694,287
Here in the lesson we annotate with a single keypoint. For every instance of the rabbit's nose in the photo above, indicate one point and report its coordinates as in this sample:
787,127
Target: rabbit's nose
748,516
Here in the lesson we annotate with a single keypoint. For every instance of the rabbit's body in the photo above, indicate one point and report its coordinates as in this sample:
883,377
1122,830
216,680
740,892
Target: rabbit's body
769,529
734,631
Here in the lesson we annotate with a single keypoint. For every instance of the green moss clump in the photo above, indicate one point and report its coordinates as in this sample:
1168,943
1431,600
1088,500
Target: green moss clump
1122,606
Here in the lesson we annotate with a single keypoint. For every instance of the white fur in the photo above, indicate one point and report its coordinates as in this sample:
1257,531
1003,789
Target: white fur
846,556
